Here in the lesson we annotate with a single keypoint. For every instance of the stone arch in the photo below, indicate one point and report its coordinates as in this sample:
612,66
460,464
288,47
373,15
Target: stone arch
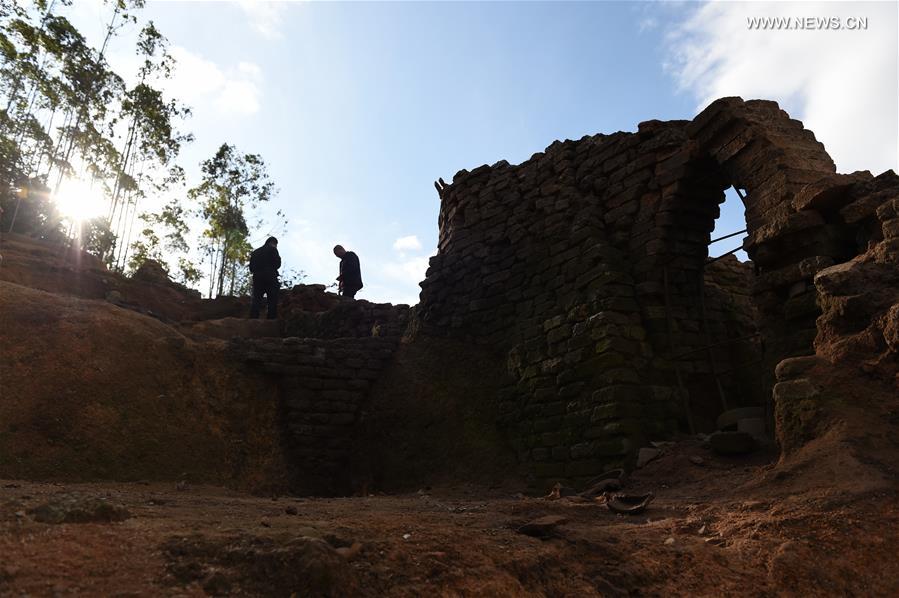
587,266
757,147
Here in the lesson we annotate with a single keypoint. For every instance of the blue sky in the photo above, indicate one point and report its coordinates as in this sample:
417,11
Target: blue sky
359,107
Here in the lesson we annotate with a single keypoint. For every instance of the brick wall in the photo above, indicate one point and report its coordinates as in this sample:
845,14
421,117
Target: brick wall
587,264
323,386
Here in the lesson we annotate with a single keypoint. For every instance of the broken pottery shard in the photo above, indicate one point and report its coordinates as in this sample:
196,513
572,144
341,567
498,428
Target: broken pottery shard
629,504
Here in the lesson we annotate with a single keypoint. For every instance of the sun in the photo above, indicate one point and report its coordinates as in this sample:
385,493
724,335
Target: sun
78,200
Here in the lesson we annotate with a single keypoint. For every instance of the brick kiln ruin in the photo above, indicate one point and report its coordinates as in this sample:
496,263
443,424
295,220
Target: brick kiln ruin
571,315
586,270
588,266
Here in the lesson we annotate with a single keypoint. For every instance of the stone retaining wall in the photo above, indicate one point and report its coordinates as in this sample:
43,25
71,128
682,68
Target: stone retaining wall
347,319
323,385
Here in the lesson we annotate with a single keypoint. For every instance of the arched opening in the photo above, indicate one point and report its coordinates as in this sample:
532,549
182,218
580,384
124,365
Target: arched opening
722,324
730,226
711,346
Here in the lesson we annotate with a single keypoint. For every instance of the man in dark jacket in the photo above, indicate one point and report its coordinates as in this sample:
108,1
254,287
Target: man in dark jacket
264,264
350,280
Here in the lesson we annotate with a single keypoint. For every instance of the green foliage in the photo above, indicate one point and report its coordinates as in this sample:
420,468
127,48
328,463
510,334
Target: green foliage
96,237
188,273
60,113
233,185
27,209
171,222
65,113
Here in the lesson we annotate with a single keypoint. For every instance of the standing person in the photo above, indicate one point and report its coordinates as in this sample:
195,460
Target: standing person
264,264
350,279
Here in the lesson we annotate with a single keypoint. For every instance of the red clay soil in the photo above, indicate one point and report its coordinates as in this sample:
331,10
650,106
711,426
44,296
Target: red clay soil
157,403
56,268
721,527
90,391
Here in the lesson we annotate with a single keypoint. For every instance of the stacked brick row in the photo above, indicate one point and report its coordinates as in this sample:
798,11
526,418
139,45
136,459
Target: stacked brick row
347,319
324,384
587,265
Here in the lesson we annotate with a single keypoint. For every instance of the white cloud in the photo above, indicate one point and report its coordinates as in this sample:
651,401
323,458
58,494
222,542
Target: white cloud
408,271
411,270
405,274
265,17
648,24
304,250
250,69
238,97
410,243
841,83
200,82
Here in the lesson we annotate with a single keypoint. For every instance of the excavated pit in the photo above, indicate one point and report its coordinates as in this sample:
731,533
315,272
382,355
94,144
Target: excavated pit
571,318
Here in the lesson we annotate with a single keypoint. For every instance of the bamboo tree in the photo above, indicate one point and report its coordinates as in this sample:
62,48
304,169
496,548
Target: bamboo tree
232,186
150,134
32,37
61,72
92,88
68,114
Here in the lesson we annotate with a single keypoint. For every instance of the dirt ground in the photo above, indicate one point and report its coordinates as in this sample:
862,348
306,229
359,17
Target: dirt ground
718,526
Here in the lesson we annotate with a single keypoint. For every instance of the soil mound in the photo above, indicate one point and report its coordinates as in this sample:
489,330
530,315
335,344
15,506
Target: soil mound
92,391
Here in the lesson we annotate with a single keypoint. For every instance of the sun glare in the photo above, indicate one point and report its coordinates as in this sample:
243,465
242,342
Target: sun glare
79,201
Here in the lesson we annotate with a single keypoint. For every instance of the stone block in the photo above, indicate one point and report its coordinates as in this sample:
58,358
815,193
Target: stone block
560,453
795,390
613,447
550,470
578,418
542,395
796,367
583,450
342,419
559,333
802,306
571,390
547,424
540,455
609,360
553,322
620,393
630,426
890,228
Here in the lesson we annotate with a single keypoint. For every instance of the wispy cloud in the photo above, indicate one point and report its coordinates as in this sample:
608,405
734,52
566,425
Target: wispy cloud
840,83
264,17
199,82
407,269
407,273
648,24
305,249
410,243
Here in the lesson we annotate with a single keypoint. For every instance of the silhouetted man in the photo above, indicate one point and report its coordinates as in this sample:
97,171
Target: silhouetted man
350,280
264,264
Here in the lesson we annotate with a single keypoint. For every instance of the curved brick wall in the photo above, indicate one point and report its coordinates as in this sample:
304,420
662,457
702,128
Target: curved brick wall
586,264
